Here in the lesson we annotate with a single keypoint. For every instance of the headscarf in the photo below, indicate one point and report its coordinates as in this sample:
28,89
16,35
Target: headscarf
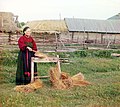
25,30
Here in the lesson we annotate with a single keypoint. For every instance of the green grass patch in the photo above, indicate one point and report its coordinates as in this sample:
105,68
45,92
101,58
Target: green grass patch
102,71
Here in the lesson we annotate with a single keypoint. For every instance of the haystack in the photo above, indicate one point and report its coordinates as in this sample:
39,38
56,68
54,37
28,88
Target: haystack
7,23
29,87
64,80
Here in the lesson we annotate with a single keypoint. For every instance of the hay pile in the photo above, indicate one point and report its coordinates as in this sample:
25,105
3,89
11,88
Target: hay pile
29,87
64,81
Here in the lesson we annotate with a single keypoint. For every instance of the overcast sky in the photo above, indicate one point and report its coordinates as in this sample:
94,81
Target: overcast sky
28,10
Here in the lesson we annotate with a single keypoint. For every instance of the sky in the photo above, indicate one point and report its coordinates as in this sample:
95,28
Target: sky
29,10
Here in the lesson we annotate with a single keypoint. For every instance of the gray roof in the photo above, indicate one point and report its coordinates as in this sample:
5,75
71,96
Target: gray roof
92,25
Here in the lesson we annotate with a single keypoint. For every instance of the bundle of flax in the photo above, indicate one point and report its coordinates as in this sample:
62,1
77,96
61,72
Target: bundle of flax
55,78
29,87
64,81
78,80
40,55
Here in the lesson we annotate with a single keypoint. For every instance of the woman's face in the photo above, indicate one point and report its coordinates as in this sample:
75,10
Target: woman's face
28,32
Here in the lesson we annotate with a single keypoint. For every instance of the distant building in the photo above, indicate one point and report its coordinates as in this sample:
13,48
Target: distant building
78,30
47,29
7,22
100,31
115,17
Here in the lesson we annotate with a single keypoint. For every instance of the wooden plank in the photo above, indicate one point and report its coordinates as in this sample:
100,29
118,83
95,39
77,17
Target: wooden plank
44,60
32,69
41,77
115,54
58,62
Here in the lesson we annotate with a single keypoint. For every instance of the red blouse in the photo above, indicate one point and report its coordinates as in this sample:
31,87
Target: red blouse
23,39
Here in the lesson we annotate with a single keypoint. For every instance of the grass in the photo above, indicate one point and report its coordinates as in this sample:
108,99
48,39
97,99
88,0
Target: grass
103,73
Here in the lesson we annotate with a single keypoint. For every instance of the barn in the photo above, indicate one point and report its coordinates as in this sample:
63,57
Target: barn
47,32
93,31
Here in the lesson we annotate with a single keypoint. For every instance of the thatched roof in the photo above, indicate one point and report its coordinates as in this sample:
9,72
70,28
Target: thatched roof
47,26
7,23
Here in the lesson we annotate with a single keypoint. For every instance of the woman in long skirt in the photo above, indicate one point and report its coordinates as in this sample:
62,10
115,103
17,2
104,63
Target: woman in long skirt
26,45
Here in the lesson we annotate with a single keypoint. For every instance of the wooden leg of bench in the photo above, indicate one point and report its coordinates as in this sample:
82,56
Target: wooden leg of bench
32,70
58,62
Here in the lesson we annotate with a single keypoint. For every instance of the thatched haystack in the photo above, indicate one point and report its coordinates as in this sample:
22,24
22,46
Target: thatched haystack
29,87
7,23
47,26
64,81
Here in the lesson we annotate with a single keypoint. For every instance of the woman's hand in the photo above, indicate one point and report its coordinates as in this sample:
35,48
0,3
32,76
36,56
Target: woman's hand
30,49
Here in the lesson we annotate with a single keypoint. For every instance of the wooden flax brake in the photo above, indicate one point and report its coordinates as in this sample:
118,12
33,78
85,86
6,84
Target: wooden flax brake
43,60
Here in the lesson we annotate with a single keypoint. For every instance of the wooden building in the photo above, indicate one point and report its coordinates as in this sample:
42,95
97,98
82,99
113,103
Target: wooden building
95,31
7,22
8,28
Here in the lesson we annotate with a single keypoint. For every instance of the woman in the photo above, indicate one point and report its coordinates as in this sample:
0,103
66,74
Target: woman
26,45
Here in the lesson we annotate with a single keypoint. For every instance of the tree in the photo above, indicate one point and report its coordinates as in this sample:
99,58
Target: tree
21,24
